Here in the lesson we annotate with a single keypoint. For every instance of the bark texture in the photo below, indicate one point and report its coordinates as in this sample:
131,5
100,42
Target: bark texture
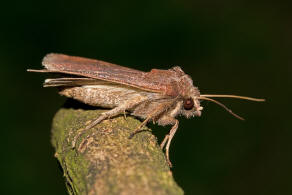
103,160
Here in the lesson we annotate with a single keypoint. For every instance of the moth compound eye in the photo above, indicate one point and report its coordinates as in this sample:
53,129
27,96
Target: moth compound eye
188,104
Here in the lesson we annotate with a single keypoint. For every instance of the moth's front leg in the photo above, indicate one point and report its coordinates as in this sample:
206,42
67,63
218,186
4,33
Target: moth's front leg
166,120
158,110
171,134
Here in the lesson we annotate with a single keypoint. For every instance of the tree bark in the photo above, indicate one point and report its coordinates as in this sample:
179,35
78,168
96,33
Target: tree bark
103,160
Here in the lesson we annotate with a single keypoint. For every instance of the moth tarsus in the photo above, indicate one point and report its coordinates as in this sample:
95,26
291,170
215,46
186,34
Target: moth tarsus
135,132
158,96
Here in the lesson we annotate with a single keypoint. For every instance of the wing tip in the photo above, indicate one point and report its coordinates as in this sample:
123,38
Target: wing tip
50,59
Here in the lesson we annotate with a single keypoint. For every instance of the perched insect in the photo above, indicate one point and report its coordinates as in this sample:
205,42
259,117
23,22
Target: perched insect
158,96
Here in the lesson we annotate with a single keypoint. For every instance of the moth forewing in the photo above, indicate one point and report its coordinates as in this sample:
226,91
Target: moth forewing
156,80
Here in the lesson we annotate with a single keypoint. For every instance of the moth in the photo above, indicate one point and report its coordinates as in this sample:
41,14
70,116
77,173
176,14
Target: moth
158,96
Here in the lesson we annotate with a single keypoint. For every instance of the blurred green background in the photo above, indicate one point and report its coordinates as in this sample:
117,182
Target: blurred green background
228,47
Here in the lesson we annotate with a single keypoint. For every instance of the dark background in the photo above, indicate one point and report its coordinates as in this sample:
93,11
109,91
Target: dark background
228,47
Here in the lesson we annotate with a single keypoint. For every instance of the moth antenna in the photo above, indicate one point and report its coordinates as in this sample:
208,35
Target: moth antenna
222,105
234,96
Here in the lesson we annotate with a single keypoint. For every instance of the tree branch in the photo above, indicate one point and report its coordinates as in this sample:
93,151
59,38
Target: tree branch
103,160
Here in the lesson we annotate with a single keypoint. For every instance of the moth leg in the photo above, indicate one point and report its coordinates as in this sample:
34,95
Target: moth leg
169,138
138,129
117,110
164,141
152,115
113,112
125,115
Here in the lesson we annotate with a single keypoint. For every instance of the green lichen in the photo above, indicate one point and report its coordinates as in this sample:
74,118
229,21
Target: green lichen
103,160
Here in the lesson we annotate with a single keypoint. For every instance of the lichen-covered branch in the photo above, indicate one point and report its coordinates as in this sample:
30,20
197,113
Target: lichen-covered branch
103,160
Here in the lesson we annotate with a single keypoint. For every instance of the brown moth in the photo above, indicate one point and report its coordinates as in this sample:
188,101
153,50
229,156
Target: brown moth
158,96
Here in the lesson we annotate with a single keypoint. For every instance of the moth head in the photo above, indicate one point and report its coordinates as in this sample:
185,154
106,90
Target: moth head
191,103
191,107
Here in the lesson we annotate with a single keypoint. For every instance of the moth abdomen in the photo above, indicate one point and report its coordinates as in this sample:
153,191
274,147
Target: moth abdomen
87,96
106,96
